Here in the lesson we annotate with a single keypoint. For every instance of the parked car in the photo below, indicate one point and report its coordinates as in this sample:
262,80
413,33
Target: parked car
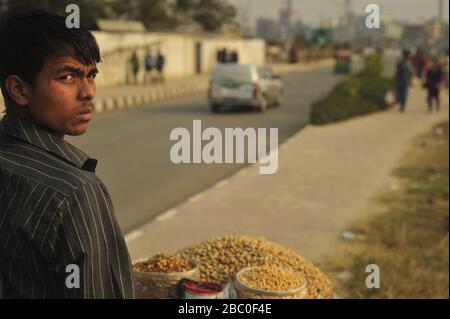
240,85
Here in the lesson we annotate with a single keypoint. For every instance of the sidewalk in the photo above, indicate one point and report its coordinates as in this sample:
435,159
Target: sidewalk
326,178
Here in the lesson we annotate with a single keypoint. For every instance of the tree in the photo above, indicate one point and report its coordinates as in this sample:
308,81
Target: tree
185,5
91,10
155,14
210,14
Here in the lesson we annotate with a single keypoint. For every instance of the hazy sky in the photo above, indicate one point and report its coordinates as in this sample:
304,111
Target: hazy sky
313,11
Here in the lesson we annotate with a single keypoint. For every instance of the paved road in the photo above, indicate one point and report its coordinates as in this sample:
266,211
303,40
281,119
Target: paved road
133,145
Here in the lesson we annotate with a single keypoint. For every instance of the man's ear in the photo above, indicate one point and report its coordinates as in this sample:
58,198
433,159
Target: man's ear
17,90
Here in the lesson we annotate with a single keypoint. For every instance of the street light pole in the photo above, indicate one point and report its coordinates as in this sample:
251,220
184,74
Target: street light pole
441,11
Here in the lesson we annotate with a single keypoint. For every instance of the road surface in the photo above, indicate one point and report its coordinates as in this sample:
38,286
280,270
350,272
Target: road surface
133,145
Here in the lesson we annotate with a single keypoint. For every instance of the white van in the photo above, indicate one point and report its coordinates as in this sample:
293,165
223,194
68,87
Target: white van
253,85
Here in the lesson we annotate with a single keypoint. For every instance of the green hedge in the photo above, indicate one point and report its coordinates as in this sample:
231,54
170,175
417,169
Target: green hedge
355,95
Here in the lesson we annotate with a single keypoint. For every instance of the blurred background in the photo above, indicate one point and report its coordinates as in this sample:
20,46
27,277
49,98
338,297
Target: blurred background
288,30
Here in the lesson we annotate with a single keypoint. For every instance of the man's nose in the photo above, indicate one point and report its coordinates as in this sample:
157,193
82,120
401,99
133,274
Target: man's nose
87,89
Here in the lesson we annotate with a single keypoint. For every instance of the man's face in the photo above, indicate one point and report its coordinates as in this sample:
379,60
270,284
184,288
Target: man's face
61,98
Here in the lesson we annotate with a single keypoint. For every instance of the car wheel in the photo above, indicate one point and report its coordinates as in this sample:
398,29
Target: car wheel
280,100
263,105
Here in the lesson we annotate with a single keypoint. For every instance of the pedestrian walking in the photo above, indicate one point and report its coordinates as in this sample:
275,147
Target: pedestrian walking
420,63
223,56
149,63
433,81
445,68
234,57
134,61
403,79
160,63
219,54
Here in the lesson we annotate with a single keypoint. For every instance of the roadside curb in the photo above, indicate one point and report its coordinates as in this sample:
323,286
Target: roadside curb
108,104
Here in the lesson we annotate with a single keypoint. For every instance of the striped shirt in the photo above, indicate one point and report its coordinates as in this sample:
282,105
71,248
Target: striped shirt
56,213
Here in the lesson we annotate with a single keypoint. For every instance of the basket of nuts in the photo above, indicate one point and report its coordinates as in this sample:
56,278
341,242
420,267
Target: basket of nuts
221,258
269,282
157,277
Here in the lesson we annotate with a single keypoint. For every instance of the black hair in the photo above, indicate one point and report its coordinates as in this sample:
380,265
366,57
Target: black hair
29,38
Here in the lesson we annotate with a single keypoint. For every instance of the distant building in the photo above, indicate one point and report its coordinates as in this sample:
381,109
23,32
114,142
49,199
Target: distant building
344,34
393,31
120,25
269,30
356,32
434,30
298,27
437,34
432,34
284,30
230,30
414,36
366,36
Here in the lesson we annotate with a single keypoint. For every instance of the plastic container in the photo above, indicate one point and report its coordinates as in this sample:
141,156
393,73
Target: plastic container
245,292
200,289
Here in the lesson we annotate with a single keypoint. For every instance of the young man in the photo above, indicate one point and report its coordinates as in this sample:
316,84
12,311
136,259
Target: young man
59,237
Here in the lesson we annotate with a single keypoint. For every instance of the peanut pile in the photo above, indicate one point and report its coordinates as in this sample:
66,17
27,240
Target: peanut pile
221,258
270,278
163,263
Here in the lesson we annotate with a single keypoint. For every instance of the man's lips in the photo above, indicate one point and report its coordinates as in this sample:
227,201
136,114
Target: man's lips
84,116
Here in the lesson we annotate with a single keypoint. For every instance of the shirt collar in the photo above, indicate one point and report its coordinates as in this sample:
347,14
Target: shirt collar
43,138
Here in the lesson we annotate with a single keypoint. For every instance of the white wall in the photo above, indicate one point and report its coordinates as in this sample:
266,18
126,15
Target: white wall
179,51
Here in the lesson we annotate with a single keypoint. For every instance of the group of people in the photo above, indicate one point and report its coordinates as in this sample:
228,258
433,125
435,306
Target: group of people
152,63
223,56
431,72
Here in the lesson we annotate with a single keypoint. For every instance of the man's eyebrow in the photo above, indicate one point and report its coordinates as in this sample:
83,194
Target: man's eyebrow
67,68
76,70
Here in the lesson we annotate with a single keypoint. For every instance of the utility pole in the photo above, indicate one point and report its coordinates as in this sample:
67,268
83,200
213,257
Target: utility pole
440,17
348,12
289,12
441,11
243,18
286,23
